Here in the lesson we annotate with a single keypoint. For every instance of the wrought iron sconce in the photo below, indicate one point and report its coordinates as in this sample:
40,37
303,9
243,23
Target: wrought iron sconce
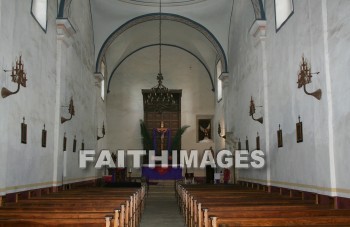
219,132
70,110
304,78
279,137
252,111
299,126
18,76
257,142
103,132
43,137
24,132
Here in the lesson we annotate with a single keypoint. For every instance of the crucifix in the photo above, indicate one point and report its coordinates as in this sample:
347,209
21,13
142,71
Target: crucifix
162,131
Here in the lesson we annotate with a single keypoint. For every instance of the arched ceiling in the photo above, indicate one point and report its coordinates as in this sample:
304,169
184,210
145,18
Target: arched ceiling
201,27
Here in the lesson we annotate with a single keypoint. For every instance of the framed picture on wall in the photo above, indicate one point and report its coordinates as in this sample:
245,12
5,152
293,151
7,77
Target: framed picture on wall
299,129
24,132
43,137
204,130
279,137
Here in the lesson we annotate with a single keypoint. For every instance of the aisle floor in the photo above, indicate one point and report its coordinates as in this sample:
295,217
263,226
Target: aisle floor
161,209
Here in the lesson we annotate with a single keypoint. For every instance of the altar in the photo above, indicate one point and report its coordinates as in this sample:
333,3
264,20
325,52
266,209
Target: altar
162,173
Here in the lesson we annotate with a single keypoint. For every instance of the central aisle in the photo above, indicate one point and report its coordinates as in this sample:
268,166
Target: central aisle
161,208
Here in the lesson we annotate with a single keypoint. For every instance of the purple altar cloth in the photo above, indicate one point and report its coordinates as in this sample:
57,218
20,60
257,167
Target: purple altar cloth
160,173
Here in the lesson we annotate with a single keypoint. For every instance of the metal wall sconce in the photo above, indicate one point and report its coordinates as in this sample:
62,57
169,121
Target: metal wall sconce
43,137
24,132
103,132
64,142
279,137
258,142
219,132
247,144
252,111
70,110
75,144
18,76
299,126
304,78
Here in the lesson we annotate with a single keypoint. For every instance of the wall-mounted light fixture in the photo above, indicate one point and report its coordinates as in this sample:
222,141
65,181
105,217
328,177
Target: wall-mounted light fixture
219,132
103,132
18,76
252,111
304,78
70,110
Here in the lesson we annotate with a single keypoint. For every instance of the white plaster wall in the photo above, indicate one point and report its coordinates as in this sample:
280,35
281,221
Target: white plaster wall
308,165
339,43
31,166
125,106
246,81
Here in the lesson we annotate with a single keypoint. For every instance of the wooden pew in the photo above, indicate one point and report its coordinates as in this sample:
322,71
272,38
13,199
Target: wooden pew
78,208
237,206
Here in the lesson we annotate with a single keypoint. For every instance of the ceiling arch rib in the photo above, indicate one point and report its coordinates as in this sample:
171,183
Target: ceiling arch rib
156,44
177,30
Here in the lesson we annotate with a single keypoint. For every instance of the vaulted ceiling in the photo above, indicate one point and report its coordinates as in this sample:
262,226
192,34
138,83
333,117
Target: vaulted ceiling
123,27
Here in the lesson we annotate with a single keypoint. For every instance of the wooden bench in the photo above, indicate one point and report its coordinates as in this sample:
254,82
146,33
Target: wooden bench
87,207
232,205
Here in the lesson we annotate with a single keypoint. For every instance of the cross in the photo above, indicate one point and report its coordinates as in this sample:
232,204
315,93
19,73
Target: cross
162,131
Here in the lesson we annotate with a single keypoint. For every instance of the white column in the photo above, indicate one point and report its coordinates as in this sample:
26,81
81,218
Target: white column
329,98
64,33
258,30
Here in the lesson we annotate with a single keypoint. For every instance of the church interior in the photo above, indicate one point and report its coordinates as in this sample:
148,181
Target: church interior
174,75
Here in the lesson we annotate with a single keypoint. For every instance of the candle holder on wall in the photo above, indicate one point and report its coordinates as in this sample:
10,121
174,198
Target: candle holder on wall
70,110
43,137
103,132
258,142
279,137
304,78
219,132
299,126
252,111
18,76
24,132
